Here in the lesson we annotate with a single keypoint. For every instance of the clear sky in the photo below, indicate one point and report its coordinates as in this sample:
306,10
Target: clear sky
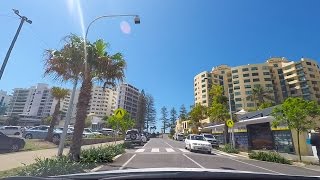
176,39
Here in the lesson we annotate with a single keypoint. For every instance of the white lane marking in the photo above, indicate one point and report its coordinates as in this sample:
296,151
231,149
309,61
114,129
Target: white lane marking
169,150
140,150
126,163
222,153
256,166
194,161
145,144
168,144
155,150
183,150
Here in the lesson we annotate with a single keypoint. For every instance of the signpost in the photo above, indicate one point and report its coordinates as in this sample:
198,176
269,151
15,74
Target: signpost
119,113
230,123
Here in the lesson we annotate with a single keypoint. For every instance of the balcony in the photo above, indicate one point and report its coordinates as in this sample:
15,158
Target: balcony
291,76
293,82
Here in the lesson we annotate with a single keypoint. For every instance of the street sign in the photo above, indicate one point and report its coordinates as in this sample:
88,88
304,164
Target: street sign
230,123
119,113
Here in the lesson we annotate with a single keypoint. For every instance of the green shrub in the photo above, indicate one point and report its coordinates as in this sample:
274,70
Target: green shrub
53,166
269,156
101,154
229,149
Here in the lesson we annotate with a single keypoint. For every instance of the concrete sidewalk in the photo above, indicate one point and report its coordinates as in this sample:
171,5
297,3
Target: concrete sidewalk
17,159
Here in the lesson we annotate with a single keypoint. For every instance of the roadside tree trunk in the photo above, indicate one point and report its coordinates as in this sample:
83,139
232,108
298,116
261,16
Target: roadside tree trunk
53,122
225,134
299,151
83,103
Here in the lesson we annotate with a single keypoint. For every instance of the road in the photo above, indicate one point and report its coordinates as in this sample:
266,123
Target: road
166,153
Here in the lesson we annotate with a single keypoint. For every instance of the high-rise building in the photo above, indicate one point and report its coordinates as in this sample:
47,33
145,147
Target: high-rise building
65,105
282,79
34,102
4,98
128,97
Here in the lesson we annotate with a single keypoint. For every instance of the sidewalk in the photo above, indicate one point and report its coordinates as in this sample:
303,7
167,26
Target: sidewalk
17,159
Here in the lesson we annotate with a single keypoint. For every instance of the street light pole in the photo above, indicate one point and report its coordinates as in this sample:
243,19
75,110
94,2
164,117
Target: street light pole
230,111
23,19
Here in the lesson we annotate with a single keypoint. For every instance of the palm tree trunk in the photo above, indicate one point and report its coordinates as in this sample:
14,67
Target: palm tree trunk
53,121
83,103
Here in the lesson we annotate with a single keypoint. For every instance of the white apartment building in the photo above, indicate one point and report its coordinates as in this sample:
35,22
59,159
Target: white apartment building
128,98
35,102
4,98
65,105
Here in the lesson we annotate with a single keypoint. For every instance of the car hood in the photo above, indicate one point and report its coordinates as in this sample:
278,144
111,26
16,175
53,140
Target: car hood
198,141
173,172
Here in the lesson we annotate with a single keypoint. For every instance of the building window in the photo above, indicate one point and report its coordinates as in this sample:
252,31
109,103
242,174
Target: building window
247,86
203,90
250,104
266,73
236,87
237,93
255,74
267,79
222,72
245,69
246,80
230,85
312,76
204,101
203,75
248,92
236,82
203,96
265,67
275,65
235,71
310,69
269,85
237,99
203,85
246,75
308,63
254,68
235,76
256,80
238,105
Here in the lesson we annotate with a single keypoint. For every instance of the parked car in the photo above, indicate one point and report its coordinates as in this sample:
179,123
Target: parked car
195,142
88,130
40,132
178,137
87,133
147,134
107,131
11,130
12,144
133,136
144,138
211,139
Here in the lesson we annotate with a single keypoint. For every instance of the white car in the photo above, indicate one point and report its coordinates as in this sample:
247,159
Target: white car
143,138
196,142
87,133
11,130
88,130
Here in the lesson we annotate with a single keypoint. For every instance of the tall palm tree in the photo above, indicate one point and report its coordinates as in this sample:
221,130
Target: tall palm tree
260,94
58,93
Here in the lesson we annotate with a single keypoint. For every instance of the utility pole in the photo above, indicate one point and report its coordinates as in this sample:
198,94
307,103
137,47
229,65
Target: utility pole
23,19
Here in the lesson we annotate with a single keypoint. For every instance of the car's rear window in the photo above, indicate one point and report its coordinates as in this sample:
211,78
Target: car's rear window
197,138
208,136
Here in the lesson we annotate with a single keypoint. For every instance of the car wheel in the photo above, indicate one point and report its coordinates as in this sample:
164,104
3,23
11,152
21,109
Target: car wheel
55,138
28,136
16,134
190,149
14,147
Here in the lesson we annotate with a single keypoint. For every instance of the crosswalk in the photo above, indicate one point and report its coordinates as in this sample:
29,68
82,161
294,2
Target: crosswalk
161,150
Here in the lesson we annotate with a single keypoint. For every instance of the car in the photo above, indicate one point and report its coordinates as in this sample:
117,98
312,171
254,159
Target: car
211,139
195,142
87,133
133,136
147,135
40,132
11,130
12,144
178,137
107,131
88,130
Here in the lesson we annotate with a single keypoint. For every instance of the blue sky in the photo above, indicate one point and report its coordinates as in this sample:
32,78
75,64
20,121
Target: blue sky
176,38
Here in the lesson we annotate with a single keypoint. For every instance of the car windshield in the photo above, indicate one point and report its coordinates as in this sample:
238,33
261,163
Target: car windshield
208,136
142,84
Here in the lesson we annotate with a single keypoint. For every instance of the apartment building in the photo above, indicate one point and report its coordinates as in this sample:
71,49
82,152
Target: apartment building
128,99
283,78
35,102
65,105
4,98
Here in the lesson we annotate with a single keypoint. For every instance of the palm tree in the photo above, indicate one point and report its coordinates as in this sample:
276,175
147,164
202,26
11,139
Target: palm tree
70,64
57,93
260,94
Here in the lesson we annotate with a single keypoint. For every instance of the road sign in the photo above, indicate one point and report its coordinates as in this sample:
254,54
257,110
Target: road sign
230,123
119,113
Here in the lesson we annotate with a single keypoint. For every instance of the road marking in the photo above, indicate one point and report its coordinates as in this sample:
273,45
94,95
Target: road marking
183,150
145,144
140,150
169,150
155,150
222,153
126,163
256,166
168,144
194,161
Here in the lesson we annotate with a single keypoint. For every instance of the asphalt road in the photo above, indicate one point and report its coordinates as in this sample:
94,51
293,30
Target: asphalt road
166,153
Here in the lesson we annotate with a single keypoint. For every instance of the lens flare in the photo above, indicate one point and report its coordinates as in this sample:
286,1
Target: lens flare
125,27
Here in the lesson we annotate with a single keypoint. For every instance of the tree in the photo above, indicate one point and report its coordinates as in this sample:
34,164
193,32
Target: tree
57,93
46,120
87,122
141,113
197,113
219,110
183,113
173,117
71,63
265,105
12,120
121,124
164,119
150,112
297,114
259,94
